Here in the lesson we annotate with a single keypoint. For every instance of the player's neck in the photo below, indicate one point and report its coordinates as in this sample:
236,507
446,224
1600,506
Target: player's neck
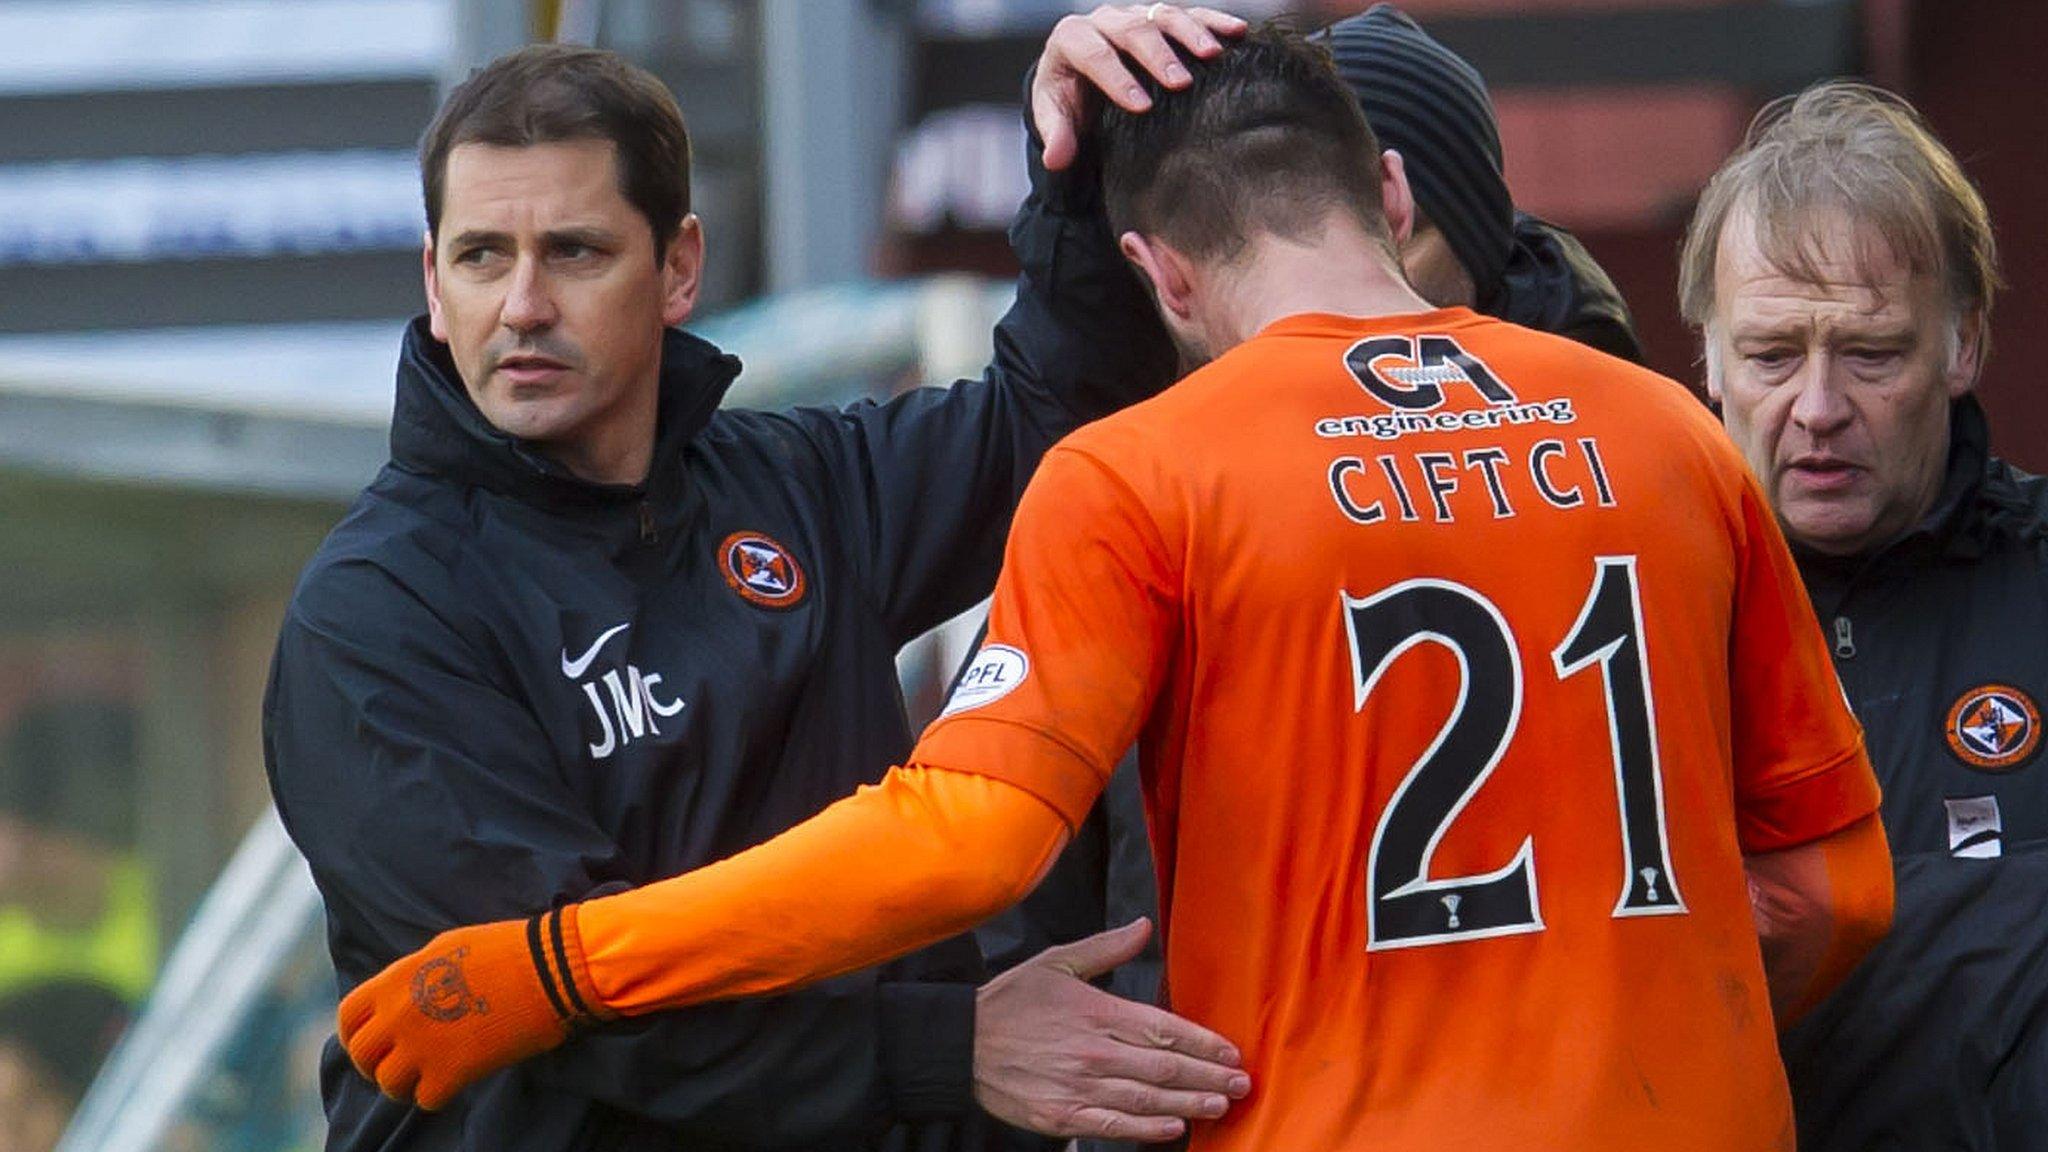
1345,272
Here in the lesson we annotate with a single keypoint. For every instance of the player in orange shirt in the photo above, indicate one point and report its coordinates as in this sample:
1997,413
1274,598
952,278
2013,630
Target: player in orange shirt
1486,726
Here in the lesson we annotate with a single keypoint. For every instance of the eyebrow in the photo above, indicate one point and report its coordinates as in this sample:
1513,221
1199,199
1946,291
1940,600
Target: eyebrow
1865,326
1754,330
593,235
589,234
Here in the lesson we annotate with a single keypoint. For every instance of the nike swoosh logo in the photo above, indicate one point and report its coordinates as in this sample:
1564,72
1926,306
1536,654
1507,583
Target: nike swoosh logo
574,668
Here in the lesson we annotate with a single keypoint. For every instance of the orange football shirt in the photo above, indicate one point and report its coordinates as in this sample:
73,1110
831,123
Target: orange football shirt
1466,664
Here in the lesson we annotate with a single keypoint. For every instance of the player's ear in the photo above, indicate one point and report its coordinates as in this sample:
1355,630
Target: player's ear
1397,199
1166,271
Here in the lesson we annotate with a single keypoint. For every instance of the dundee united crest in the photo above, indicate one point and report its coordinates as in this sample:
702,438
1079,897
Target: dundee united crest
1994,727
761,570
441,992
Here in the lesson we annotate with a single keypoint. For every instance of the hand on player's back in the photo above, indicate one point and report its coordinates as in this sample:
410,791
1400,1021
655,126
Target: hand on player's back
1084,56
1059,1056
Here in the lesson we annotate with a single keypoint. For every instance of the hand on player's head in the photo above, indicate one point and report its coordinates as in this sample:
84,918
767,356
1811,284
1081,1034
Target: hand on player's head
1086,55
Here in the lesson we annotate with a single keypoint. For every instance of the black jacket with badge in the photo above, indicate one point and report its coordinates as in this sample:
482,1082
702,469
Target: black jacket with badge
1940,1038
499,688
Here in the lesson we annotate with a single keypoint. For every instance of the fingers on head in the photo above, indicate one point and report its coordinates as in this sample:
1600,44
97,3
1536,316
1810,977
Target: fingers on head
1127,31
1084,50
1185,27
1219,22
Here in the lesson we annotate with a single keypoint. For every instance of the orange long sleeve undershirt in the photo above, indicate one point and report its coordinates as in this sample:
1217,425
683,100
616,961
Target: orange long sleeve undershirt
924,855
1820,907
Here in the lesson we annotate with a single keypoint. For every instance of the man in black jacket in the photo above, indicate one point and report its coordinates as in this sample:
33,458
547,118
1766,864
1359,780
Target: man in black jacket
586,630
1841,269
1470,247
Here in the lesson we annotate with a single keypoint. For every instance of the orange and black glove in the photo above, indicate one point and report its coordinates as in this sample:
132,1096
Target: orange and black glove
469,1003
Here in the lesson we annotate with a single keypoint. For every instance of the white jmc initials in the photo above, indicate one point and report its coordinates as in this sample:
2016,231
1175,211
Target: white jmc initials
628,708
632,703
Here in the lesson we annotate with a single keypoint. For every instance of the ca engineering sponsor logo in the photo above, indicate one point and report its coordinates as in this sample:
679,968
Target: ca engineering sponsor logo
996,672
761,570
1409,374
1994,727
628,708
1394,425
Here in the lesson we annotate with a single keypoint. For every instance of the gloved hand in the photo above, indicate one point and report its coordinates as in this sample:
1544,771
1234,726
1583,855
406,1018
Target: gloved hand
472,1001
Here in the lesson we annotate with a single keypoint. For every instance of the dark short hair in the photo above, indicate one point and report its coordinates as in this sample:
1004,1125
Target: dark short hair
1266,139
548,93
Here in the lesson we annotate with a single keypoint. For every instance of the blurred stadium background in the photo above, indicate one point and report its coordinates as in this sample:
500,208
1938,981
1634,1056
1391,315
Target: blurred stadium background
209,228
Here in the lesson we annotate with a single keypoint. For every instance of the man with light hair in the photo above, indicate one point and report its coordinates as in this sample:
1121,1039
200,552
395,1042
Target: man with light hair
1841,271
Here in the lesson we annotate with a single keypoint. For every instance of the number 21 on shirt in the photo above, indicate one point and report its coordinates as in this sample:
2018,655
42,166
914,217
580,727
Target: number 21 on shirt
1405,907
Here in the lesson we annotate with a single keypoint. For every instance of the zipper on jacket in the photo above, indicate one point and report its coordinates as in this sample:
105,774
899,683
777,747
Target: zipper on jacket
1845,641
646,523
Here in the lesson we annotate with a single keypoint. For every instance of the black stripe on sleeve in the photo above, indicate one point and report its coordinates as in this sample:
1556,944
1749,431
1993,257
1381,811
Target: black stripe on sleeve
540,965
562,960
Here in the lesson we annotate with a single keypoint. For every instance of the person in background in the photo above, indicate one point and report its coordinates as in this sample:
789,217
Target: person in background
77,901
1840,269
53,1037
1471,245
78,912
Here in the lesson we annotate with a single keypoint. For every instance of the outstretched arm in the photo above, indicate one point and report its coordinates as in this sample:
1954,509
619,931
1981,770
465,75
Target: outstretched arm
917,858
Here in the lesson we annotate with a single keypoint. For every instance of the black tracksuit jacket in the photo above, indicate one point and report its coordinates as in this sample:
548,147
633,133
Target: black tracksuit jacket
1939,1040
499,688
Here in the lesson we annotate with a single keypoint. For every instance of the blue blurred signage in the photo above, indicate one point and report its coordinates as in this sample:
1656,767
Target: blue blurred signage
208,206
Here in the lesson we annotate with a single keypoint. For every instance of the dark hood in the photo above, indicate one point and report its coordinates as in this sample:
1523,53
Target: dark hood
1552,284
436,428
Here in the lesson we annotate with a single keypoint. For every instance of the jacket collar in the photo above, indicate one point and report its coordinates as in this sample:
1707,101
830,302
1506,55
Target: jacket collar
437,429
